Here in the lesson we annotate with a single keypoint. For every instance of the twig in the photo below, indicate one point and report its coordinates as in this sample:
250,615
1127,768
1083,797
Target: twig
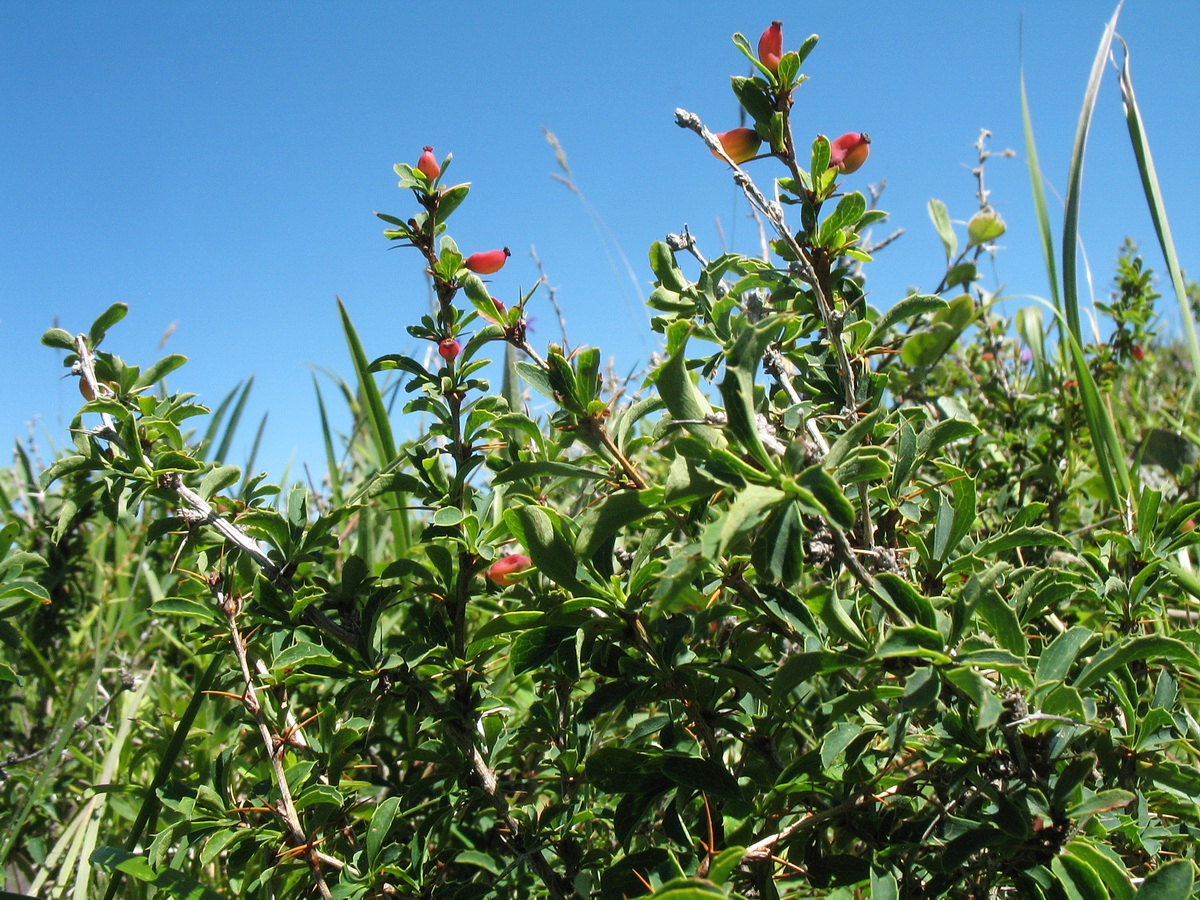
552,294
286,807
830,316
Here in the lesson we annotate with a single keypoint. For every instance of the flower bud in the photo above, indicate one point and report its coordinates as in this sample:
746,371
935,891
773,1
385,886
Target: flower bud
487,262
740,144
508,570
427,165
770,46
449,348
849,152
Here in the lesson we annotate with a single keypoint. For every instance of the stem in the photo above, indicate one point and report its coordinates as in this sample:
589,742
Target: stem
813,270
286,807
627,467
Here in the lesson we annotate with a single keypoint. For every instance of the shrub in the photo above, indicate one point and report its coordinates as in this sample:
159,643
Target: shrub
843,602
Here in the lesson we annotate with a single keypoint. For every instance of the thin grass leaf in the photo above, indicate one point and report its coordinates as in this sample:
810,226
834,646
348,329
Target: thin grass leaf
1110,456
378,425
235,416
253,454
1039,198
151,803
1070,238
333,473
1158,211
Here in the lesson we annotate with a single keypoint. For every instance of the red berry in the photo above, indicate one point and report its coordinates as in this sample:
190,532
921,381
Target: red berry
1138,353
849,152
427,165
449,348
487,262
770,46
508,570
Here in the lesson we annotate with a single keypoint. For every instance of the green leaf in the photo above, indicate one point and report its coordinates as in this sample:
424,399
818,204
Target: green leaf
1107,864
612,514
1147,649
304,655
171,882
1030,536
543,533
908,308
160,370
701,775
1045,236
913,641
910,601
985,226
945,432
1158,213
450,199
1102,801
724,864
820,156
884,886
1070,232
537,378
378,423
59,339
845,216
1056,660
749,509
1170,881
955,517
187,606
738,388
546,468
688,889
448,516
941,223
535,646
666,270
1002,622
217,480
752,96
980,690
105,321
1079,880
827,492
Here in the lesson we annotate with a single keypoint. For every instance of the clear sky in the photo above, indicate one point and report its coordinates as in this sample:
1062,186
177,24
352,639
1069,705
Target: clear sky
216,165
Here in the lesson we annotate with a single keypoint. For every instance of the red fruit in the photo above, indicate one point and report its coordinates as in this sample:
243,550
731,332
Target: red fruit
508,570
487,262
849,152
740,144
449,348
1138,353
770,46
427,165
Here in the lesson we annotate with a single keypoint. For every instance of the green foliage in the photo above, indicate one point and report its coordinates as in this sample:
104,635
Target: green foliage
838,602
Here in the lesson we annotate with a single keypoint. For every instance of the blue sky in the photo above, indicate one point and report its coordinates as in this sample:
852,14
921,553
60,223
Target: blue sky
216,165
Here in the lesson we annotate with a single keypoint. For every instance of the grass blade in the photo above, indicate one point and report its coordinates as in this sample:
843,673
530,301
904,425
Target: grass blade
377,422
1070,238
1110,456
1039,198
1158,211
331,464
238,398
